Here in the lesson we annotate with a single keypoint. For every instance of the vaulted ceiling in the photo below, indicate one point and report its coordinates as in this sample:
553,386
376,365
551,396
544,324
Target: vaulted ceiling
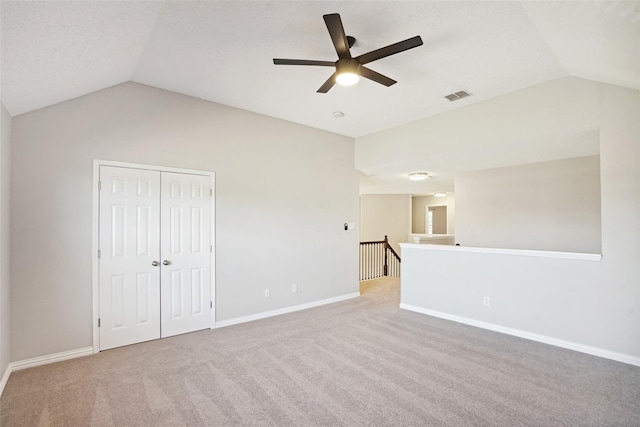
222,51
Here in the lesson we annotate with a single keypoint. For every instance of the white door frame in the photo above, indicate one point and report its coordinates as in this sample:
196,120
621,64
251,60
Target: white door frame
96,242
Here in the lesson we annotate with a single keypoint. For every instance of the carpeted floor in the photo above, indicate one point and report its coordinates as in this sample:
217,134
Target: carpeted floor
361,362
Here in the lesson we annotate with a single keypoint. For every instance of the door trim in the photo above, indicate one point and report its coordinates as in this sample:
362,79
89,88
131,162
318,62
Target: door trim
95,279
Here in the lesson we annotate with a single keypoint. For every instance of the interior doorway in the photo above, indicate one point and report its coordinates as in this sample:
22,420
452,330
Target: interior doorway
435,220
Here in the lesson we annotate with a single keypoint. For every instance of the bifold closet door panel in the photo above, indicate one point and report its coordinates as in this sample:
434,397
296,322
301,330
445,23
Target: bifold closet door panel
185,253
129,241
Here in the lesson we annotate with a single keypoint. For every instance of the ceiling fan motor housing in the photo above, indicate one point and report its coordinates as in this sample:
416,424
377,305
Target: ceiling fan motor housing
347,66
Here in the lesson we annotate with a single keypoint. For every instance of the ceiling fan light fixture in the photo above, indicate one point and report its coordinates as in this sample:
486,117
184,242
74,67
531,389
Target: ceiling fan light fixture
350,69
347,79
418,176
347,72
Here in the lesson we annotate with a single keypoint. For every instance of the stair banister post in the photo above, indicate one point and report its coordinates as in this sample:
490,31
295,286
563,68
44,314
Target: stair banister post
386,249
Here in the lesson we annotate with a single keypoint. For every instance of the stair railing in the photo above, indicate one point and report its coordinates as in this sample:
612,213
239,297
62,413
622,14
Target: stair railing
378,259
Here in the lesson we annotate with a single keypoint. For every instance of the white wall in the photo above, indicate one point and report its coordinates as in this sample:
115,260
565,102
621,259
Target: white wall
5,191
283,193
385,215
550,206
418,204
595,304
489,134
548,297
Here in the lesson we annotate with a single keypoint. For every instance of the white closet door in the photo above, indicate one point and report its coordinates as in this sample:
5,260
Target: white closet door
129,236
186,259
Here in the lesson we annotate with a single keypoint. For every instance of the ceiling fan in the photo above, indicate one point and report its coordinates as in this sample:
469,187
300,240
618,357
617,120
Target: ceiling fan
349,69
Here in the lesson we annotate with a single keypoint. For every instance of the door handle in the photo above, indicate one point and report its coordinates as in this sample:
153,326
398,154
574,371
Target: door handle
155,263
166,262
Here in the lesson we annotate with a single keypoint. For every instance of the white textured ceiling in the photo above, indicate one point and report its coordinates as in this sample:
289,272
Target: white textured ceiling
222,51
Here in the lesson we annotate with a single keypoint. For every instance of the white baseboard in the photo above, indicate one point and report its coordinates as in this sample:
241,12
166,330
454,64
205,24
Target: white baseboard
43,360
5,378
594,351
265,314
50,358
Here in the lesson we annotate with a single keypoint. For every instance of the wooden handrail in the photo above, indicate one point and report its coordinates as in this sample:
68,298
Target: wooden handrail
395,254
375,262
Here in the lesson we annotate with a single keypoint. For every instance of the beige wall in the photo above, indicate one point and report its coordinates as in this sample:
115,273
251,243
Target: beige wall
385,214
5,191
553,206
283,193
418,205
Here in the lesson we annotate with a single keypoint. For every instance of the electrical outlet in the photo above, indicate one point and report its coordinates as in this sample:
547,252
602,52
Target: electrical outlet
294,288
486,301
266,293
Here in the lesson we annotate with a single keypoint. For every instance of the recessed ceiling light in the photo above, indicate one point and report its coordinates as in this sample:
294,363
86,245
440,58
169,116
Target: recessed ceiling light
338,114
440,194
418,176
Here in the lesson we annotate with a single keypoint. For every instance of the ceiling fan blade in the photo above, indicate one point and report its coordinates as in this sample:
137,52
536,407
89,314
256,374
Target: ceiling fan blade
278,61
376,77
392,49
339,38
328,84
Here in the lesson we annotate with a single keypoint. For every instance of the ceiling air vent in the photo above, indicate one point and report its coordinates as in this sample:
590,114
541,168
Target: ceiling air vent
457,95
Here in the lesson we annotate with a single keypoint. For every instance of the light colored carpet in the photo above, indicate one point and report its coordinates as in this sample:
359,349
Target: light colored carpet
360,362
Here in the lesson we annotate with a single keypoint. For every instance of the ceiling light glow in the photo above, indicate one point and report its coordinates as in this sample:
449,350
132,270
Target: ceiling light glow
418,176
347,79
440,194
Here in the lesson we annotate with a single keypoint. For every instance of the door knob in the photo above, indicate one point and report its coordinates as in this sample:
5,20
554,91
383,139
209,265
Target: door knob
155,263
166,262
